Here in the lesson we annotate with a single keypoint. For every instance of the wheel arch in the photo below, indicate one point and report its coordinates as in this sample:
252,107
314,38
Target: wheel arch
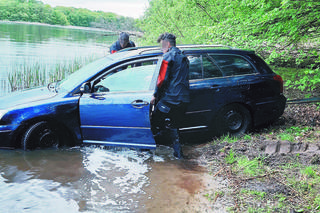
214,121
69,139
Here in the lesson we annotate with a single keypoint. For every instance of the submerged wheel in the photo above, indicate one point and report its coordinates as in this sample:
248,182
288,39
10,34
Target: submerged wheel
234,119
40,135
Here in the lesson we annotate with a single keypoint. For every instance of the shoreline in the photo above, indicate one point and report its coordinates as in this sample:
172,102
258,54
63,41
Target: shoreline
110,32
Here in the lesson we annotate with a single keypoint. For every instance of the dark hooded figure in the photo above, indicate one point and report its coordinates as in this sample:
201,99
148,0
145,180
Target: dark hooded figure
171,95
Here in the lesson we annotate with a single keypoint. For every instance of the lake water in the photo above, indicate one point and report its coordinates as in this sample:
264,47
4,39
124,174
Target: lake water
87,179
23,44
93,179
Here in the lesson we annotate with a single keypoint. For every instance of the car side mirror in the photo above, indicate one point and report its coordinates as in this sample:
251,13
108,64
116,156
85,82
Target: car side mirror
85,88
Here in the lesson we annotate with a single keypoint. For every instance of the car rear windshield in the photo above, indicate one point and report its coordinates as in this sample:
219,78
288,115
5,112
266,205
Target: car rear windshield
260,64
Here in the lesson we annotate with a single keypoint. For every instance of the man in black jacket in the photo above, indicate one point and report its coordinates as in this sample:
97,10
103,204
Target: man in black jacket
172,93
123,42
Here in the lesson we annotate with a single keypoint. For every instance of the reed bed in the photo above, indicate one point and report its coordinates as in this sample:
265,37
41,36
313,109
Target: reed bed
28,75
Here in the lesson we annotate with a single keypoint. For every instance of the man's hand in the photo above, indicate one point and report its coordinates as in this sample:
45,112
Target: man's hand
153,100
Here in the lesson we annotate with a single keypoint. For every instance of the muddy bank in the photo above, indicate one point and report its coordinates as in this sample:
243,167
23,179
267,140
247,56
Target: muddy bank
282,151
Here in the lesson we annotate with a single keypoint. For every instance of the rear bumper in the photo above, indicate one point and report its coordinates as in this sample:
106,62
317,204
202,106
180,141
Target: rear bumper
269,110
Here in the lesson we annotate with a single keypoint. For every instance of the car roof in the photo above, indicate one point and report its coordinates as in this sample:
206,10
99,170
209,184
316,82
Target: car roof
155,50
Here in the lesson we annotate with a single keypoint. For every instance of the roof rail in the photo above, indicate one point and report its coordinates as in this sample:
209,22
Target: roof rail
137,48
204,45
150,48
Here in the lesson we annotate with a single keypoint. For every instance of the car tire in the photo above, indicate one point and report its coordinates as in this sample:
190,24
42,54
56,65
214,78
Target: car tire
233,119
40,134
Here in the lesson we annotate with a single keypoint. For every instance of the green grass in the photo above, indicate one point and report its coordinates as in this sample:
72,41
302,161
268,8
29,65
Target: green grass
249,167
293,132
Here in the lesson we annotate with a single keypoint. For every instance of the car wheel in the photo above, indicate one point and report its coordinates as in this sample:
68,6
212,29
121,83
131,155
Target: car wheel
41,135
234,119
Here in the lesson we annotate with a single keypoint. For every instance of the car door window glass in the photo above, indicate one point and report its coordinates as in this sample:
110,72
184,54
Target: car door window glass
210,70
195,67
233,65
133,78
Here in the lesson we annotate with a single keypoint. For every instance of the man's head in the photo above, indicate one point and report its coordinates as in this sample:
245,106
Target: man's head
123,39
166,40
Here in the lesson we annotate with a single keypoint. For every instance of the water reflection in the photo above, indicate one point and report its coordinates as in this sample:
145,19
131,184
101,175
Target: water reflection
93,179
25,47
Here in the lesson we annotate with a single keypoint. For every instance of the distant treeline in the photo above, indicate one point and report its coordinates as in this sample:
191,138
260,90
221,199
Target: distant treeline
37,11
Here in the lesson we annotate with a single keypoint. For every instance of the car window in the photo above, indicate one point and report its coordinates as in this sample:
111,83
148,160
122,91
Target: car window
85,72
135,77
233,64
202,67
195,67
210,70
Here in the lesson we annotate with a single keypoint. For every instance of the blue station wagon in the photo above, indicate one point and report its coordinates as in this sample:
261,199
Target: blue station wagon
108,101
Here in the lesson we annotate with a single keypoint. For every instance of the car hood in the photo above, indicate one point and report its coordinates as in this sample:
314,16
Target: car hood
25,97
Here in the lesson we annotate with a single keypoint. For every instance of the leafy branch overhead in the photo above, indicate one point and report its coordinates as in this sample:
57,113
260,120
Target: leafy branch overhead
284,32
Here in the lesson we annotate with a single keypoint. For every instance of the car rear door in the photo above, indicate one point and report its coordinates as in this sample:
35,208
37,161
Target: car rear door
208,90
116,113
244,79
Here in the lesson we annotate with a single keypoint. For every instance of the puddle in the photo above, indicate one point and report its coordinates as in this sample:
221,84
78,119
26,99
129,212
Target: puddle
91,179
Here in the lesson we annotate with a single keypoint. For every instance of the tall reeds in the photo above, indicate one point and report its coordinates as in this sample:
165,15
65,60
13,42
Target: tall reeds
28,75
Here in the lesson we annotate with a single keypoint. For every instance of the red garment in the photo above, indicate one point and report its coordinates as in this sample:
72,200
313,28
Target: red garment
162,73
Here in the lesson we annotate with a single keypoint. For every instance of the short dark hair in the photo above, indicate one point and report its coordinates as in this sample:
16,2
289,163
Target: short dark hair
167,37
124,36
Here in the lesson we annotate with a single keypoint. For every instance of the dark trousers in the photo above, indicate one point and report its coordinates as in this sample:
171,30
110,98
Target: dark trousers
166,119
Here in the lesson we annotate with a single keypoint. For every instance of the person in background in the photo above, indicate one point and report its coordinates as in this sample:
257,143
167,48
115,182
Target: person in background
123,42
171,95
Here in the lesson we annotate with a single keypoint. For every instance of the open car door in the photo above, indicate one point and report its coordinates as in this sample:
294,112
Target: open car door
117,113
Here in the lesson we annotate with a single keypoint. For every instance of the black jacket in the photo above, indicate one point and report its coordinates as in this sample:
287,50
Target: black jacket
173,79
115,47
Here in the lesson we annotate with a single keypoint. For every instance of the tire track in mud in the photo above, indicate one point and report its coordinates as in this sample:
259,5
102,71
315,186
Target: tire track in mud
286,147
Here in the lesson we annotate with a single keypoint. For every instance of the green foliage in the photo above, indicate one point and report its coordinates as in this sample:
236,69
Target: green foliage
229,139
230,158
258,194
307,80
36,11
283,32
291,133
249,167
310,172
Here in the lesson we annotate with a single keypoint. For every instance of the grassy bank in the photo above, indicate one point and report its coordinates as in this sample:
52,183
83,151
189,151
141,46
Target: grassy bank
270,169
261,182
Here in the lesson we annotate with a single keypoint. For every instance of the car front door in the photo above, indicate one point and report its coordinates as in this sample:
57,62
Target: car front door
116,112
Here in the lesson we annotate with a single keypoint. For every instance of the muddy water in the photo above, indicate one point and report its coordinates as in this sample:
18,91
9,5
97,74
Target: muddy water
91,179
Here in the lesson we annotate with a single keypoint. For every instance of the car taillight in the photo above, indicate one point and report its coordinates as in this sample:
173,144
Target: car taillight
279,79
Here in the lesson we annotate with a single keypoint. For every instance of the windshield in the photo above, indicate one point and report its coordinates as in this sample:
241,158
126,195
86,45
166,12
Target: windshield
83,74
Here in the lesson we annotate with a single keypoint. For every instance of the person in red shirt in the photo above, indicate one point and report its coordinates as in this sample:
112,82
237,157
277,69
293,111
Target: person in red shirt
171,95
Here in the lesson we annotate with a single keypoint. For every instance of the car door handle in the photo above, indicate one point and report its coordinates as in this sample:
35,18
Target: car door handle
215,87
139,103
